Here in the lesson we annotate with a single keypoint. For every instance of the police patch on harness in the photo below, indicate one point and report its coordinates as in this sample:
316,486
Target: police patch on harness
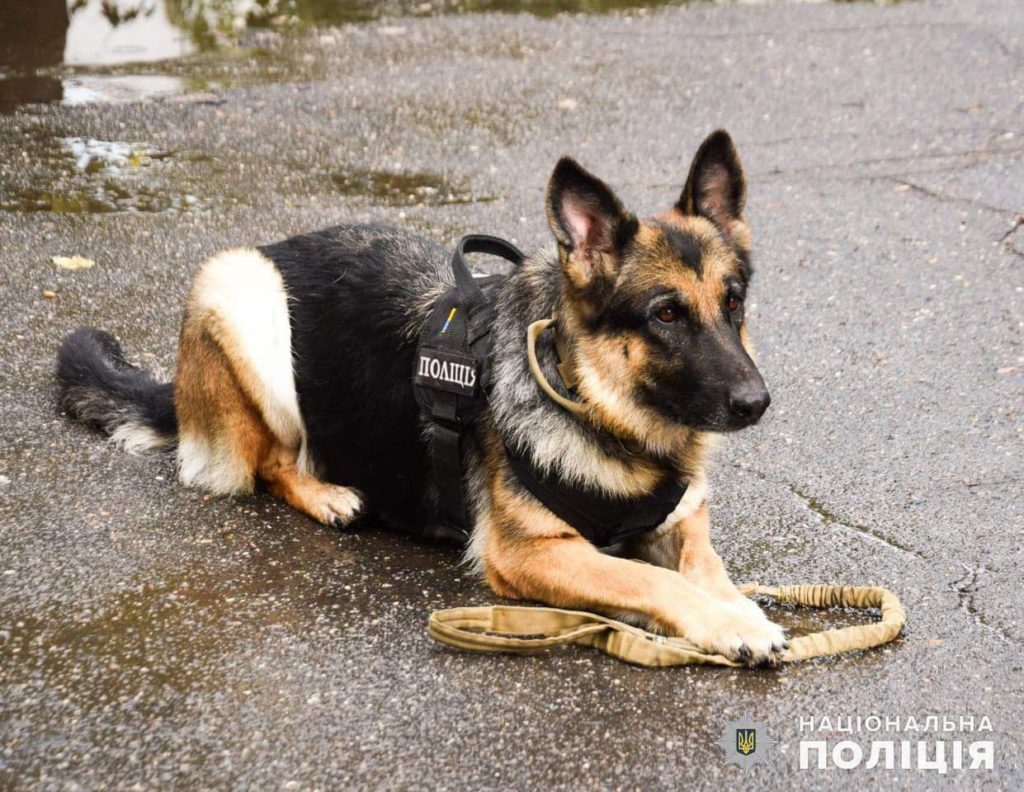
447,371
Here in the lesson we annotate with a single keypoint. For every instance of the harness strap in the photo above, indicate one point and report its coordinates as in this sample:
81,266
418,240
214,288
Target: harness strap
446,445
480,243
601,519
523,630
451,504
456,335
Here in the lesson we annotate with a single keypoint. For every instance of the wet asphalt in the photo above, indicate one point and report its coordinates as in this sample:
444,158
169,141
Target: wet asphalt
153,638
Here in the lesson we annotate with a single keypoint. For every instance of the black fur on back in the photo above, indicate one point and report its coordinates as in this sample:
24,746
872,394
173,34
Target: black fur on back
358,298
102,389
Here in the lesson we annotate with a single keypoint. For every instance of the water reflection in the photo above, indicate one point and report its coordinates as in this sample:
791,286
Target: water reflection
337,11
32,36
38,36
114,89
130,31
41,33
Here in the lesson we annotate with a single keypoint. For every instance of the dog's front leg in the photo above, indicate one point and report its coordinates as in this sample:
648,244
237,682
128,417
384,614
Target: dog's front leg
698,562
567,571
685,545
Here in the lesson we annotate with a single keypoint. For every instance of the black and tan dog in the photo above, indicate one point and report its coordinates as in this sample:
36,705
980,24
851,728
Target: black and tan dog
295,365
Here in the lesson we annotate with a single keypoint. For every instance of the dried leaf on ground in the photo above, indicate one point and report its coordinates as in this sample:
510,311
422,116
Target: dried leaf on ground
73,262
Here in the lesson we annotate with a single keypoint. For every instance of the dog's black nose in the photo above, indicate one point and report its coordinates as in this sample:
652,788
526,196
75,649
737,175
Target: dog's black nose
749,403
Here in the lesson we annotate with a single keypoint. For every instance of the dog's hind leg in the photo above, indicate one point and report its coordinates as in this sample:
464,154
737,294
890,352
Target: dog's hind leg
222,435
235,391
329,503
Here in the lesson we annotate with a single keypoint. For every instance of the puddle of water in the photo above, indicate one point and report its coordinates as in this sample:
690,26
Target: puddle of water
75,51
18,91
106,156
74,175
40,37
115,644
342,11
100,198
191,628
401,189
40,40
86,176
117,89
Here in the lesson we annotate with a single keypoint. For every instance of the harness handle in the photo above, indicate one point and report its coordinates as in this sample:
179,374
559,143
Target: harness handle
522,630
480,243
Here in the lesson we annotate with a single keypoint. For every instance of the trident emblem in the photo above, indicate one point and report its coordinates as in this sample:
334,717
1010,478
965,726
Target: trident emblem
746,741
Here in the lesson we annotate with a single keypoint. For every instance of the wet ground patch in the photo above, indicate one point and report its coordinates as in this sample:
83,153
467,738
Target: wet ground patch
73,175
113,51
800,620
339,11
49,172
396,188
86,51
77,52
107,196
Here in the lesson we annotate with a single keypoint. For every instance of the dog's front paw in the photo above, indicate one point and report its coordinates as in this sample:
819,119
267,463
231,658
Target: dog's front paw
741,632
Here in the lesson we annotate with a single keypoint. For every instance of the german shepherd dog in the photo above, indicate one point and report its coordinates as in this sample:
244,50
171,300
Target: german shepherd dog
295,370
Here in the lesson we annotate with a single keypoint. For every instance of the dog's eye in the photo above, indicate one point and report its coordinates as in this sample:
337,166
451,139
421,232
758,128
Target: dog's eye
668,314
733,303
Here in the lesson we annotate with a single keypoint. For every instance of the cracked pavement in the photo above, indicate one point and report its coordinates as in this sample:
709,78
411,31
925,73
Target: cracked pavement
151,637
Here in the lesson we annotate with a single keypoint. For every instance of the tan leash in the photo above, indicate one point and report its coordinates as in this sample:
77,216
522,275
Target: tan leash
523,630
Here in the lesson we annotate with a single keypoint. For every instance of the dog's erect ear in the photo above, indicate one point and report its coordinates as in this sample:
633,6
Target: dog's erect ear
715,188
588,221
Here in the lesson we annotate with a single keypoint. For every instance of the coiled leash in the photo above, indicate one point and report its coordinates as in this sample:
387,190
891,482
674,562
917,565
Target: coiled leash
451,383
526,630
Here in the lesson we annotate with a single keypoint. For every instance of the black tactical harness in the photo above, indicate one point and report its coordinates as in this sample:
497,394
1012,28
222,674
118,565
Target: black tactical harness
452,384
601,519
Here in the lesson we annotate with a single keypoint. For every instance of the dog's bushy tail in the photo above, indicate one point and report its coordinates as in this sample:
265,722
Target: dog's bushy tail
102,389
